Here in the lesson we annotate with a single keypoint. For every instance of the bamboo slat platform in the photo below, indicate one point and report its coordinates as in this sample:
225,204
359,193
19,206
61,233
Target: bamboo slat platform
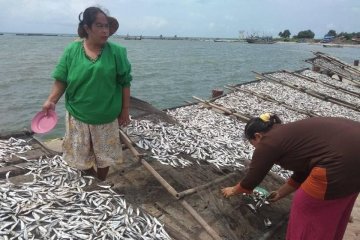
188,200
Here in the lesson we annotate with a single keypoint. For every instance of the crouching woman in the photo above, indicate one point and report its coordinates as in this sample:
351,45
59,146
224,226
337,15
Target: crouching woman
323,153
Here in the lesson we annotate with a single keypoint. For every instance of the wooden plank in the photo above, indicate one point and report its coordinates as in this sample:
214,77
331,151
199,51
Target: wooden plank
316,94
355,82
271,99
31,154
183,221
339,63
323,83
14,170
226,111
16,134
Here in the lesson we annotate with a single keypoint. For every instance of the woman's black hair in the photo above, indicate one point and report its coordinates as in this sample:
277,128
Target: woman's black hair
88,18
259,125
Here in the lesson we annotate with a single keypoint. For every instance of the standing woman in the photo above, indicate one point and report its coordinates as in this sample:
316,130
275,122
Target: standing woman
324,155
95,76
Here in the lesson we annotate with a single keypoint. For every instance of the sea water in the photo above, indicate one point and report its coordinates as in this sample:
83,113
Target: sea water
166,73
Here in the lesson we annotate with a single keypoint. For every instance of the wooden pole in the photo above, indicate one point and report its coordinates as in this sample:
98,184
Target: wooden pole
323,83
316,94
225,110
200,220
270,99
161,180
209,184
168,187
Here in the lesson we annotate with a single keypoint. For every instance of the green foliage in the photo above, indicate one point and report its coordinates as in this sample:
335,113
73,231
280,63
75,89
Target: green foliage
306,34
348,36
285,34
332,33
310,35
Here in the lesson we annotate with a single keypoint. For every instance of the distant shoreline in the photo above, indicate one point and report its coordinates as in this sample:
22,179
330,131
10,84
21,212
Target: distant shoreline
161,37
339,44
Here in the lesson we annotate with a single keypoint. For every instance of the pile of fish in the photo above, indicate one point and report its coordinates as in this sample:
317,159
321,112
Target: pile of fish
333,59
319,61
201,135
206,135
326,79
259,199
301,100
254,106
12,147
54,205
318,87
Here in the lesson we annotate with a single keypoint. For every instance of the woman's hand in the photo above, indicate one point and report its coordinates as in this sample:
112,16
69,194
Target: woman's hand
274,196
124,118
229,191
48,105
57,91
282,192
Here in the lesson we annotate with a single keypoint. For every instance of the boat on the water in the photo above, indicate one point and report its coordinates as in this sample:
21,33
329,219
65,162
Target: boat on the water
37,34
260,40
226,40
332,45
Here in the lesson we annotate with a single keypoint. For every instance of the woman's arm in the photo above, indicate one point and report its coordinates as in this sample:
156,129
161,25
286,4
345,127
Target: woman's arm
293,183
282,192
262,161
234,190
124,118
57,91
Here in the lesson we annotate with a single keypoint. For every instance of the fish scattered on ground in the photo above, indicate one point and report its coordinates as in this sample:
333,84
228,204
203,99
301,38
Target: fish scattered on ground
302,100
54,206
326,79
317,87
12,147
202,135
334,67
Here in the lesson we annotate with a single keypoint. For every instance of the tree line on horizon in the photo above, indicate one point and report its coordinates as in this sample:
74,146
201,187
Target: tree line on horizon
310,34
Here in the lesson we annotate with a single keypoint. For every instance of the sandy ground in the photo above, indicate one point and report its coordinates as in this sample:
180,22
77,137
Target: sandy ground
353,228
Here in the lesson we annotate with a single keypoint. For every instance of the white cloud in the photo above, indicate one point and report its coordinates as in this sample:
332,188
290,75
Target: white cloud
152,22
185,17
330,26
356,9
229,18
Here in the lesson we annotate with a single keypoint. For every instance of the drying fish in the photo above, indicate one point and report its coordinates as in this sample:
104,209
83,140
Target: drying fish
202,135
31,211
267,222
12,148
325,64
325,79
302,100
317,87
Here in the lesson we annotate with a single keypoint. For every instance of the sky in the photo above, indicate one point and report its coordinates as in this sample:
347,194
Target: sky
187,18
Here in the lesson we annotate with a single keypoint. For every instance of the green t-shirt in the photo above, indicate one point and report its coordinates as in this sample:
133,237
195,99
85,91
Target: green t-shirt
94,89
